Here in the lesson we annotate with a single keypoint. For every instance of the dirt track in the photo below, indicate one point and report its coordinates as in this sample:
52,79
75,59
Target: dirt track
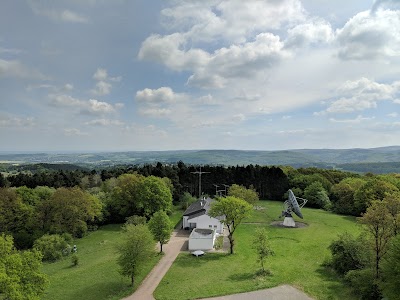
171,251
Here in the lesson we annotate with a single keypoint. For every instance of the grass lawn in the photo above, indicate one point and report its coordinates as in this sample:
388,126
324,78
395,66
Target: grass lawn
96,277
176,216
299,253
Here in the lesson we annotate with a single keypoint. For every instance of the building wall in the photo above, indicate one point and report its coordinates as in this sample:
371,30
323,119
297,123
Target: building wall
201,244
206,221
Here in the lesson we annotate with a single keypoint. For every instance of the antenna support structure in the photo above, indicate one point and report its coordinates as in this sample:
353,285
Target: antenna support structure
292,205
200,173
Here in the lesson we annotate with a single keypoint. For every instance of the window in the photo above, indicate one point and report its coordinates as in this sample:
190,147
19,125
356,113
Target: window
215,226
210,226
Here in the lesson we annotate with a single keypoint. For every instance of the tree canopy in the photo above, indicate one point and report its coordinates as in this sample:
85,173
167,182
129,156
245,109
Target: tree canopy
239,191
160,226
233,210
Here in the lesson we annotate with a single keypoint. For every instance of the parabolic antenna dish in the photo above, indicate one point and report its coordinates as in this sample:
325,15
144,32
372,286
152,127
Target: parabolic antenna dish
295,207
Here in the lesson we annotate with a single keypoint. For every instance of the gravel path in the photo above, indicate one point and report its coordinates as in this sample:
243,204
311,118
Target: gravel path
177,243
171,251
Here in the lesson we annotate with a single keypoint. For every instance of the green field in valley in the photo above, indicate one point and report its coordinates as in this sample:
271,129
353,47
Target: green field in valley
298,259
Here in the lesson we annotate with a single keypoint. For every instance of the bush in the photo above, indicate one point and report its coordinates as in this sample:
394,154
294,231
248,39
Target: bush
348,253
51,246
364,284
391,270
135,220
74,260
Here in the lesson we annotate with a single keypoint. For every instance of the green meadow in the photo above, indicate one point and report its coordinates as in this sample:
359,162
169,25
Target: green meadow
298,260
96,277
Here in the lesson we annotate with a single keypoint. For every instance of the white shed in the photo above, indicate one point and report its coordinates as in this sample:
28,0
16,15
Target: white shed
202,239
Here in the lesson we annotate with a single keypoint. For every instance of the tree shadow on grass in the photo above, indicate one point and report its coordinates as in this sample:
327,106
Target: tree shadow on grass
103,291
242,276
189,260
334,283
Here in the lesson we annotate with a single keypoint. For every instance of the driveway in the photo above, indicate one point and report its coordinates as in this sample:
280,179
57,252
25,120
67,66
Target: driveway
171,250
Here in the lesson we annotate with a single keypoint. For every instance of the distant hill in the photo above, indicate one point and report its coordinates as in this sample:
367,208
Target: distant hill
380,160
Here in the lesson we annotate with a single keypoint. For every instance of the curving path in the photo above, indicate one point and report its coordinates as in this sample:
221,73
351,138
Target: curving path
171,251
176,244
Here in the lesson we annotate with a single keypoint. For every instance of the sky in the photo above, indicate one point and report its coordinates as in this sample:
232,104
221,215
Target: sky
98,75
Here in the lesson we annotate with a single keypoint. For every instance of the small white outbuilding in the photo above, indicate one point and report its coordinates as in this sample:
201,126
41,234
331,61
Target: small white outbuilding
202,239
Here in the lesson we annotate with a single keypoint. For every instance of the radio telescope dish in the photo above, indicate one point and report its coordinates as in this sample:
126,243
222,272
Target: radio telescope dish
292,205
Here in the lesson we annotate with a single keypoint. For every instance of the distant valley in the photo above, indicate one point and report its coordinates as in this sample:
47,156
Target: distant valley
376,160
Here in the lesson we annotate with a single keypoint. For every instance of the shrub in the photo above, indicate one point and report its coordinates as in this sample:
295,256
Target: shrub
135,220
51,246
348,253
74,260
364,284
391,270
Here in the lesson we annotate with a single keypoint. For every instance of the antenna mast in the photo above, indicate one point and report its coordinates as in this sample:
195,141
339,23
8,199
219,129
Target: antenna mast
199,172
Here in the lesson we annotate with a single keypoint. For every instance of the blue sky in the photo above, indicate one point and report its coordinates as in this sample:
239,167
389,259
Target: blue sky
97,75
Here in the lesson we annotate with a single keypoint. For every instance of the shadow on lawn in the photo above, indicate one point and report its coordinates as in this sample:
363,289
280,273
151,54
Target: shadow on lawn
103,290
242,276
335,284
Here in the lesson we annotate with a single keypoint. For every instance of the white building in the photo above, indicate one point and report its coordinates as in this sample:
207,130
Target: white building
196,216
202,239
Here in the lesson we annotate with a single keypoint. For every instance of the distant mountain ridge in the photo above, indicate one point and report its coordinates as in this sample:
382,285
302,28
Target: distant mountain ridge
323,158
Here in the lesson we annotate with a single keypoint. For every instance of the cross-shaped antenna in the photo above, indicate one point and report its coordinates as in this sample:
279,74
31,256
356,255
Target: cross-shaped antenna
199,172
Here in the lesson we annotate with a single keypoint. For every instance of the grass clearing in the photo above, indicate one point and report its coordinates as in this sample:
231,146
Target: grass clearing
96,277
299,255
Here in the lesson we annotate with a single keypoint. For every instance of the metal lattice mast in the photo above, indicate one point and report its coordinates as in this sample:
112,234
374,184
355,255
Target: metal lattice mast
200,173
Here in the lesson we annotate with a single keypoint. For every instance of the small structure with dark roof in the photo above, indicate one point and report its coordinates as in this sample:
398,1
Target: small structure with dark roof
196,216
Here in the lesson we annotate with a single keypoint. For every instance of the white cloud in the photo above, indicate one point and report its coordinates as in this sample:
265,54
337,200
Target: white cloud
63,15
104,122
362,94
155,112
357,120
74,132
160,95
313,32
393,115
68,87
370,35
232,21
91,106
16,122
15,69
103,85
10,51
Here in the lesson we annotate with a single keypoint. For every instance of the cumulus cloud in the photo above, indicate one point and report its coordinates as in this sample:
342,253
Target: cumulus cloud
103,85
74,132
155,112
91,106
316,31
160,95
232,21
56,14
104,122
16,122
357,120
370,36
16,69
362,94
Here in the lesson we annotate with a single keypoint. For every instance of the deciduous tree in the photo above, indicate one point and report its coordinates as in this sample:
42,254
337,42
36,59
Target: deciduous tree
378,224
136,248
160,226
262,247
233,210
20,275
391,270
239,191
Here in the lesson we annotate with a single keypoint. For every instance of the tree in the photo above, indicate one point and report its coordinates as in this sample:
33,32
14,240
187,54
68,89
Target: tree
136,248
154,195
234,210
125,195
51,246
374,189
343,195
135,220
378,224
391,270
262,247
239,191
160,226
349,253
20,275
186,200
316,195
392,202
69,210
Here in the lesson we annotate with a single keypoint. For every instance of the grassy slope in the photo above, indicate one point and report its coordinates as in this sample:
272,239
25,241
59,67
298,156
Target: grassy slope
96,277
299,255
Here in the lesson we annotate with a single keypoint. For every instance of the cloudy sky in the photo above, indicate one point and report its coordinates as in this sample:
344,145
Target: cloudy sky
97,75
